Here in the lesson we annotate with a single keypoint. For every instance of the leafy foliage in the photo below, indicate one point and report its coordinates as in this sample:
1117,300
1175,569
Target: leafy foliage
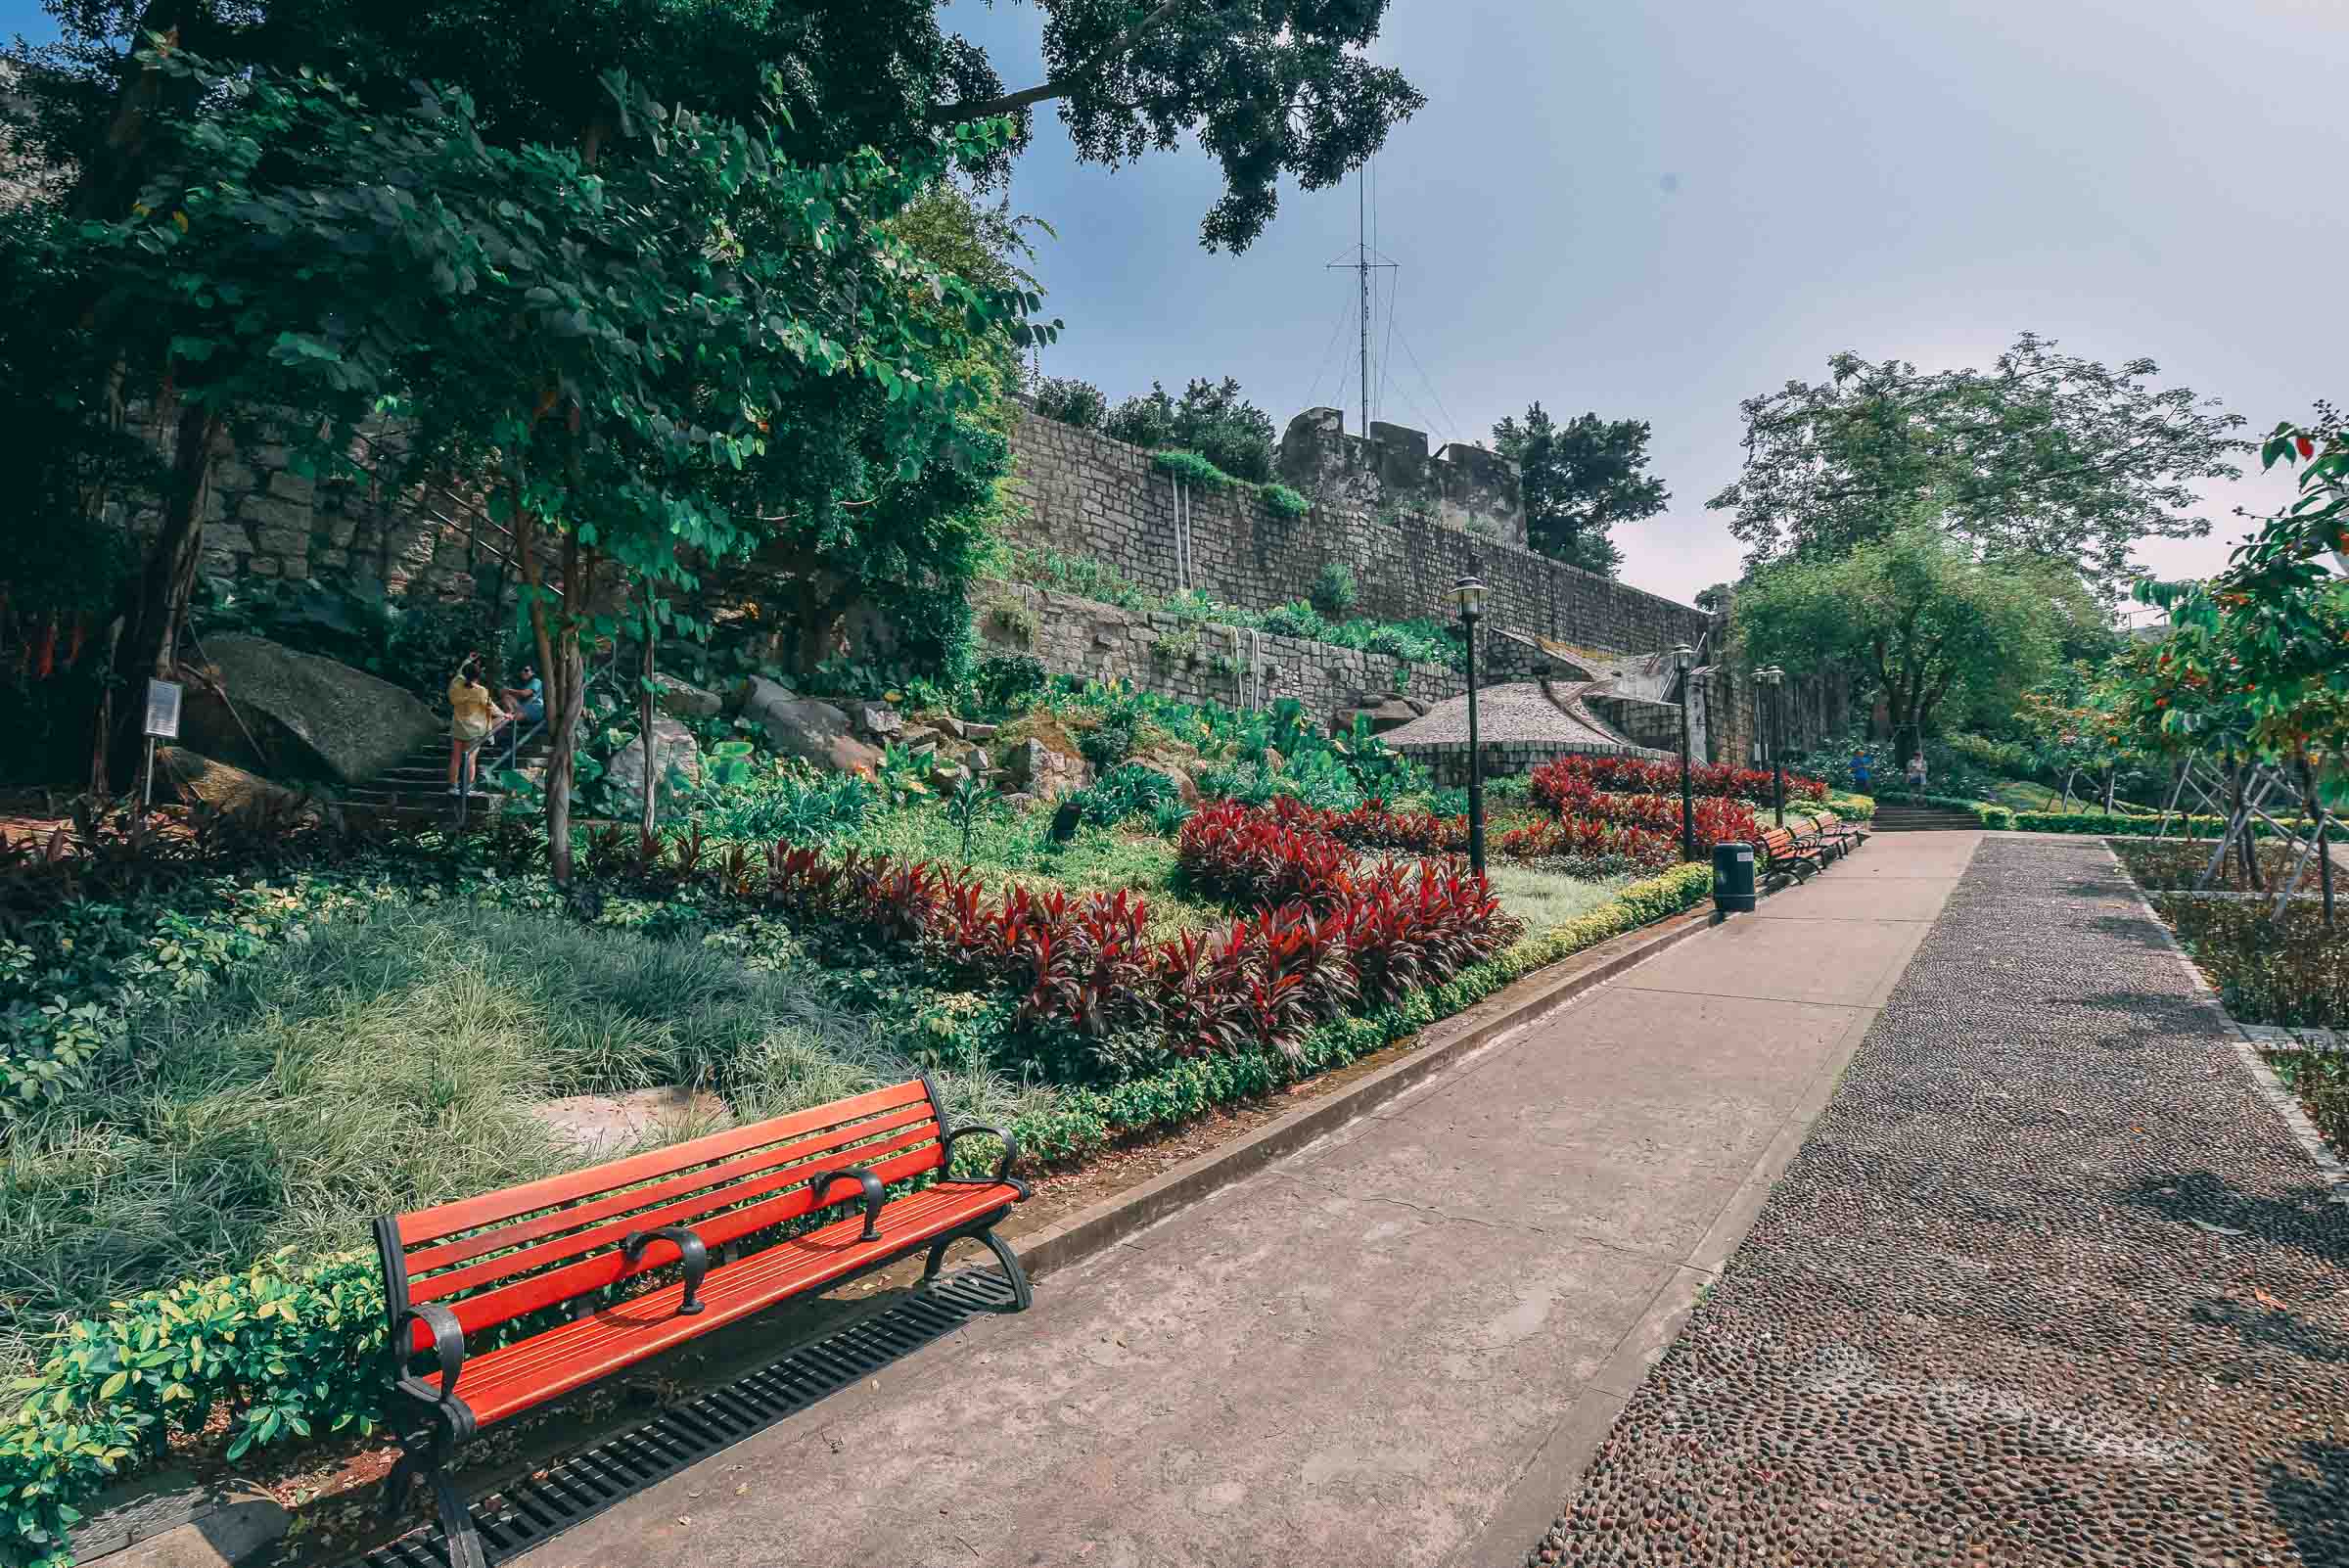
1212,420
1918,619
2045,454
1070,401
1271,89
1580,478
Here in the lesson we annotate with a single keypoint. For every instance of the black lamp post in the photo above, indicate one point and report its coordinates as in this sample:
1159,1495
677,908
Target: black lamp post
1773,680
1683,657
1468,597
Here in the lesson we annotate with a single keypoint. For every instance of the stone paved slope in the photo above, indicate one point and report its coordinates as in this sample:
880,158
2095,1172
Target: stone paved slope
2048,1284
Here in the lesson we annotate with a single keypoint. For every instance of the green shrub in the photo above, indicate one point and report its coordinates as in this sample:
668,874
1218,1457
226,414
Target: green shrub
1108,743
1175,648
2116,825
1284,502
1124,792
1192,468
1009,684
1072,402
1334,592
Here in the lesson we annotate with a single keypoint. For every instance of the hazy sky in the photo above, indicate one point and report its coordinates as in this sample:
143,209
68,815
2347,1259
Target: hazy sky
1658,210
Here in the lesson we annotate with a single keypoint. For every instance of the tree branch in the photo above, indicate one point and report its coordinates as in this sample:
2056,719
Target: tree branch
1057,86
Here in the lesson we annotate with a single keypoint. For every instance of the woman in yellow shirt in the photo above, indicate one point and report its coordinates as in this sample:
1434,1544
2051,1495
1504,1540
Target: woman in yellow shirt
473,715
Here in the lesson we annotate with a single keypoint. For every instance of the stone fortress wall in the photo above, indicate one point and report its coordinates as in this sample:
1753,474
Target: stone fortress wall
1406,522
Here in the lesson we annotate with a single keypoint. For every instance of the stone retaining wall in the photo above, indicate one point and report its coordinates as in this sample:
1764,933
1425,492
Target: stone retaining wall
1190,661
1089,496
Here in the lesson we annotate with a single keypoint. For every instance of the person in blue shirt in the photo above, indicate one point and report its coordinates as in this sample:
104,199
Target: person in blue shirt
1860,770
528,698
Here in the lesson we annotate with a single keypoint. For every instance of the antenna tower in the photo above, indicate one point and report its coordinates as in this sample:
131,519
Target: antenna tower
1366,261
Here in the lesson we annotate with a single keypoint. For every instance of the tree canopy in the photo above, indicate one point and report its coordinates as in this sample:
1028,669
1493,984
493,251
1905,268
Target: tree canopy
1271,89
1210,418
1580,478
2045,454
1936,629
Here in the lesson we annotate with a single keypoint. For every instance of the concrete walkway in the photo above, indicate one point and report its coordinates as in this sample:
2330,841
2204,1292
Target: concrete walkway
1398,1346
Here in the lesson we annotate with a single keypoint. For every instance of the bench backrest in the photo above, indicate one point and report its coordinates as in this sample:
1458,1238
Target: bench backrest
501,1255
1777,843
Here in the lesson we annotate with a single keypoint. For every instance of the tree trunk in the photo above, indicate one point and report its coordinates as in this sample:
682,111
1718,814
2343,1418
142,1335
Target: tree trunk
2315,808
2246,856
555,633
158,611
644,702
2111,776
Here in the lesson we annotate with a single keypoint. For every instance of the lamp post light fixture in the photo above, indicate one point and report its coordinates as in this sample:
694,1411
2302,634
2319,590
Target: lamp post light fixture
1682,658
1468,598
1774,685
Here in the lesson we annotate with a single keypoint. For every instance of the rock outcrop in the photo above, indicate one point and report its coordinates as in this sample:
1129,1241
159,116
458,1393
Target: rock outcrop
301,716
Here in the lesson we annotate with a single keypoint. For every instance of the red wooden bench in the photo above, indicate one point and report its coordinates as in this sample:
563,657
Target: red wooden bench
550,1265
1785,855
1830,829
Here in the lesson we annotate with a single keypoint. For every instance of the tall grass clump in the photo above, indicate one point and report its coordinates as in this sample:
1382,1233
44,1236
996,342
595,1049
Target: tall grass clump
379,1066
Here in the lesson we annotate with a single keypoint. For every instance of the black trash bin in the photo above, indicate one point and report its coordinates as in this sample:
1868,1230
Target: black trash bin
1733,878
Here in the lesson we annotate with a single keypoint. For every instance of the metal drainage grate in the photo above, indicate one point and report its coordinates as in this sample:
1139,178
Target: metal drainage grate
585,1484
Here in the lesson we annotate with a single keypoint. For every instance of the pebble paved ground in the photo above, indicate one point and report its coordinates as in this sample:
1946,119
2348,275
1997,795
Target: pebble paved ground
2049,1282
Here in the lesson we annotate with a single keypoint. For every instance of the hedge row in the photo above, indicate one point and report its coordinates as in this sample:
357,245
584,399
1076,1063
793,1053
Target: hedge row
295,1347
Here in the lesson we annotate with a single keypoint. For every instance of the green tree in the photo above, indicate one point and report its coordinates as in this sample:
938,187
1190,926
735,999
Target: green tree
1271,89
2044,454
1915,617
1580,478
1211,419
665,358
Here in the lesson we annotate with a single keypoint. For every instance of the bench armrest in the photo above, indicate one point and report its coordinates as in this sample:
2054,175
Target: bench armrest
449,1343
690,1251
874,1197
1011,1151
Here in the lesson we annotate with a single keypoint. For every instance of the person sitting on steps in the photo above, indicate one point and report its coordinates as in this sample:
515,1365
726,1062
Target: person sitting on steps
528,698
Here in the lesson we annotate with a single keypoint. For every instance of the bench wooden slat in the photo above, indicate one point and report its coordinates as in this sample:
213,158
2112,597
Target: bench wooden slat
556,1285
764,1158
490,1208
707,1212
501,1383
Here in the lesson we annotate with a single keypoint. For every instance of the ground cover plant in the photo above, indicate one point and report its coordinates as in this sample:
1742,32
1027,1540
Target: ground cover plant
2289,970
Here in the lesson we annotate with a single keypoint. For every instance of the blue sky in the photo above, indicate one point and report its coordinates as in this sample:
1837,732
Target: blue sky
1657,210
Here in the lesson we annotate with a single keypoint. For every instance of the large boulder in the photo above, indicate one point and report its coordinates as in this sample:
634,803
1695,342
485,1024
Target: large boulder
681,698
310,716
809,728
1036,770
674,746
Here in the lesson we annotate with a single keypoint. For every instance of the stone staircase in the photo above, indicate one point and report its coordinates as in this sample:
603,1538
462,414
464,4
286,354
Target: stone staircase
1894,815
414,791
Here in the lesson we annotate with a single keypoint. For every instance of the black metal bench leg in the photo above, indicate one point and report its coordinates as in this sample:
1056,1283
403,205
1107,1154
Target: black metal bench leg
456,1522
395,1485
1021,1297
937,1256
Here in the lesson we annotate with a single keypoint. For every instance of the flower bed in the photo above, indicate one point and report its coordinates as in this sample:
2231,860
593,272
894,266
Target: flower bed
1563,784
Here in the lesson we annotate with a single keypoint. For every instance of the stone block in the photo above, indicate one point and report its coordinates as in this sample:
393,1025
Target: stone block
282,541
275,511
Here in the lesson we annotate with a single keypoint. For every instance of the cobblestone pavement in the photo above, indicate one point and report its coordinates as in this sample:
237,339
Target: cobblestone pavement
2050,1282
